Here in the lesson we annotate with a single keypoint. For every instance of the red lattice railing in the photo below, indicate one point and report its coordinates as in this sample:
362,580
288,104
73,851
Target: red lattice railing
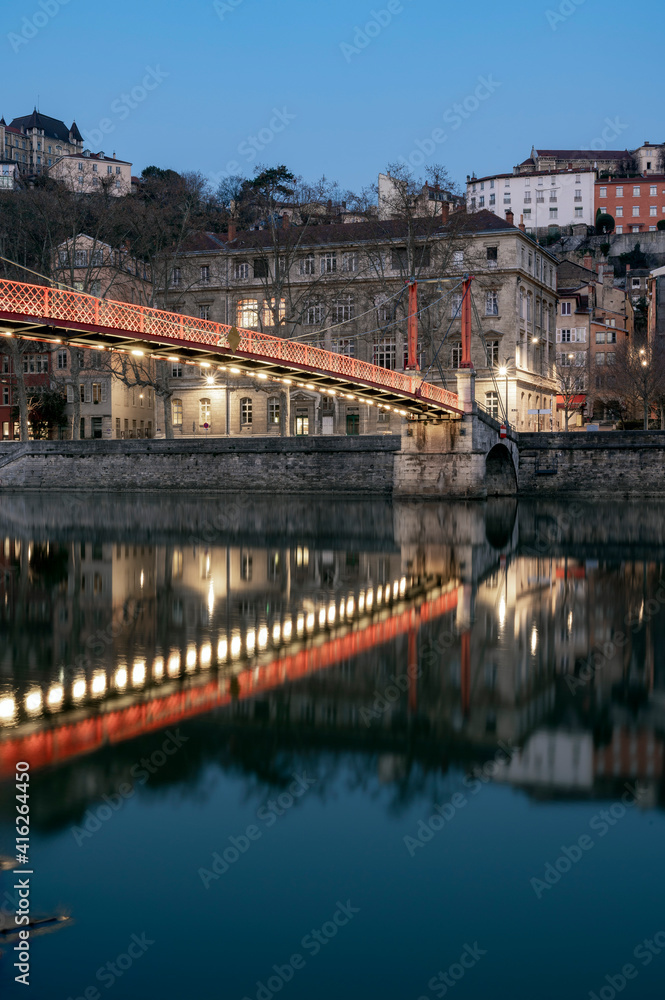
78,310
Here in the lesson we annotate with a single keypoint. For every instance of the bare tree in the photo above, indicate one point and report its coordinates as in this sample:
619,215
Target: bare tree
571,383
638,376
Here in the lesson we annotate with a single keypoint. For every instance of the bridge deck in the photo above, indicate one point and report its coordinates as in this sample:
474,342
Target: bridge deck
48,314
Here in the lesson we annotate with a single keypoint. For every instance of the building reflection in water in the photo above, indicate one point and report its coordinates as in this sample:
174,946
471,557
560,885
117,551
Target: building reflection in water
454,636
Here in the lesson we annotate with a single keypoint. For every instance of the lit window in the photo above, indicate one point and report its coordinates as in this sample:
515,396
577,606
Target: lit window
269,312
204,411
273,410
176,412
96,392
245,411
248,312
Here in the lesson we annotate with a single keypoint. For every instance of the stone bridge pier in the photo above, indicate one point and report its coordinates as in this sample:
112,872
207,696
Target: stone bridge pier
457,457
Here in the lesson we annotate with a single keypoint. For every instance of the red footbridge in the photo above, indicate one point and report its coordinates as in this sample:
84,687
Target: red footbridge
54,315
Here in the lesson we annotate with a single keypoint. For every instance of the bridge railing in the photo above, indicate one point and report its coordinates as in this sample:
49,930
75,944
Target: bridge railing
38,302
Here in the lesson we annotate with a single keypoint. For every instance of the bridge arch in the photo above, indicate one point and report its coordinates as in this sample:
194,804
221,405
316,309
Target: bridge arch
500,472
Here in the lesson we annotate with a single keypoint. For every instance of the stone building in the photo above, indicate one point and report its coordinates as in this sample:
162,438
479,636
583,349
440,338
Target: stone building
343,288
89,173
36,141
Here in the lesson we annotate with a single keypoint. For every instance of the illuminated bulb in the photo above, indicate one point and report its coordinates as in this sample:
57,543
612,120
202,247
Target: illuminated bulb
139,354
174,665
158,668
402,585
121,677
403,413
7,708
206,654
379,594
263,637
98,684
350,605
310,622
250,641
78,689
33,701
322,616
395,588
138,673
331,613
502,610
222,649
205,364
276,632
341,608
370,598
361,601
261,375
287,629
190,658
309,385
287,381
236,371
300,624
142,579
55,695
534,639
236,645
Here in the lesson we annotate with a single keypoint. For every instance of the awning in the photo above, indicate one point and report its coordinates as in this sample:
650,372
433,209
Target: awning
573,402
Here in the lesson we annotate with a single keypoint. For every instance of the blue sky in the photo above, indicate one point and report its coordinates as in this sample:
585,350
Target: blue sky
335,87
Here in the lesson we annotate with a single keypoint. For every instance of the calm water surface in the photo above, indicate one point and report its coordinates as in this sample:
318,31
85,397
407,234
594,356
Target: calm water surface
329,750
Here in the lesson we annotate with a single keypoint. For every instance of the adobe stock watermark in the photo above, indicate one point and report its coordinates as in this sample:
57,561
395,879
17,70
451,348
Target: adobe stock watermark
613,129
93,819
455,116
224,7
378,21
644,952
109,973
31,26
312,943
443,814
268,814
383,700
443,981
122,106
565,10
601,823
252,145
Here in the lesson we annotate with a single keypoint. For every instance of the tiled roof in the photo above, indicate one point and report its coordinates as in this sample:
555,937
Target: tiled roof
53,127
571,276
584,154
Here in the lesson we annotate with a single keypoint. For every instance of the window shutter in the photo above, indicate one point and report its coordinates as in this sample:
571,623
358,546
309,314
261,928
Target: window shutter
558,336
70,393
88,393
582,335
104,392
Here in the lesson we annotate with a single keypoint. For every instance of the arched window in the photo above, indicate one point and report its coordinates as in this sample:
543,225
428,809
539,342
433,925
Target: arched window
204,411
176,412
273,410
245,411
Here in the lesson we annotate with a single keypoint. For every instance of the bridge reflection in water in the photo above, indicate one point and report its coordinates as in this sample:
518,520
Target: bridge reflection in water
450,630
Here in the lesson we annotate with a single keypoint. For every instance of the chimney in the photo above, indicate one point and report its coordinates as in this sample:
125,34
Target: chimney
521,225
510,218
588,262
445,212
232,230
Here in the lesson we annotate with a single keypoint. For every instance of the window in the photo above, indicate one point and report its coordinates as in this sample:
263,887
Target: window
175,276
603,192
506,199
302,424
342,309
176,412
398,259
579,213
609,357
653,210
117,170
540,197
456,356
492,404
493,352
204,411
205,275
565,336
619,230
554,213
600,358
35,364
96,392
619,212
329,262
5,396
176,371
245,411
456,304
636,210
491,303
527,197
349,261
273,410
619,192
314,314
242,270
345,346
653,190
611,336
96,428
384,352
492,256
481,201
600,336
634,229
80,258
458,258
492,199
269,312
245,566
248,312
420,354
118,432
578,195
308,264
636,282
565,308
636,191
62,359
260,268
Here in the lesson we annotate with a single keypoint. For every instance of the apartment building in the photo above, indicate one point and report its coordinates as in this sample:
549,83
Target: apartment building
36,363
34,142
635,203
342,287
90,173
551,199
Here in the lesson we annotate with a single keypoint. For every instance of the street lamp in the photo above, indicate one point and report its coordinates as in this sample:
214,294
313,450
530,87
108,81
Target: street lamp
503,371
